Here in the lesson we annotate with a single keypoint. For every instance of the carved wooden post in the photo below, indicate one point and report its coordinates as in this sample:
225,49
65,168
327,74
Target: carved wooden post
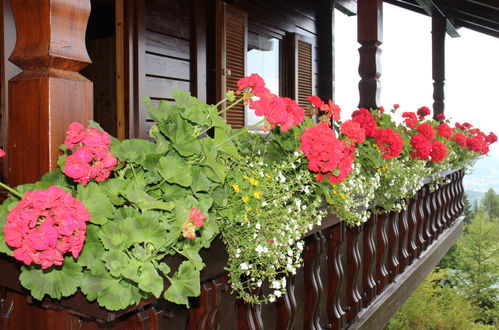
369,35
50,93
438,62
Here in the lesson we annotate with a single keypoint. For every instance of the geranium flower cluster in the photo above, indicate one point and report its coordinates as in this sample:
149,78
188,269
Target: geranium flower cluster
326,155
45,225
195,220
92,158
473,138
278,111
424,143
330,110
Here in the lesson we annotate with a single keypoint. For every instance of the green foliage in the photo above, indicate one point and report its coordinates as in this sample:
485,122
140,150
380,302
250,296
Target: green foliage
435,306
477,266
490,204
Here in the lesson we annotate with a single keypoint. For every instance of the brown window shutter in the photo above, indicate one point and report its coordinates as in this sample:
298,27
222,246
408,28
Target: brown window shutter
302,82
231,56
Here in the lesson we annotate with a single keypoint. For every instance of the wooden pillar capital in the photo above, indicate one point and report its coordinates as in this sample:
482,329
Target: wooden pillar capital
369,35
50,34
50,93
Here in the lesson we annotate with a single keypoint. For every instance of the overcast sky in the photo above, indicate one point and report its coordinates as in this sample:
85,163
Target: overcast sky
472,68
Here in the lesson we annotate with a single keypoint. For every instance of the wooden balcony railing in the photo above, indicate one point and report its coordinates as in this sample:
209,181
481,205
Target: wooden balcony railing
352,278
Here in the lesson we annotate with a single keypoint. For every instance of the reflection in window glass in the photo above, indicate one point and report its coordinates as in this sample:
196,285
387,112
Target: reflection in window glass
262,58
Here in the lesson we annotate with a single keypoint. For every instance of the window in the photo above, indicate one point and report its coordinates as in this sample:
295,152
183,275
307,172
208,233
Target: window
263,58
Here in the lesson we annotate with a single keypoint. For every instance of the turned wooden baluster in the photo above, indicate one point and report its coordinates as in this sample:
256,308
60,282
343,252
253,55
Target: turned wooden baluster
438,223
50,93
313,282
447,202
417,213
249,317
434,215
412,231
404,234
393,246
382,252
353,298
455,193
369,261
336,313
428,213
286,307
206,315
461,192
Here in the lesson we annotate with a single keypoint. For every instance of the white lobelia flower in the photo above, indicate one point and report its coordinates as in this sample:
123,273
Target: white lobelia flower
276,284
277,293
244,266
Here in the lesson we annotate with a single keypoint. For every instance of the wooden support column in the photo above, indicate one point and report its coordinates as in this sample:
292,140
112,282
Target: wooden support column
369,35
325,44
438,24
49,93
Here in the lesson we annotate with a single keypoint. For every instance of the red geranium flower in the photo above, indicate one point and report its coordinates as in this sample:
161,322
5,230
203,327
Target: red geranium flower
2,153
427,130
325,153
410,119
45,225
440,117
353,130
475,143
460,139
366,120
491,138
444,131
315,101
279,111
438,151
389,142
421,146
92,159
423,112
195,220
253,82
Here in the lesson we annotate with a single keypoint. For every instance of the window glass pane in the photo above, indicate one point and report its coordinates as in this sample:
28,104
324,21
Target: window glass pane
263,58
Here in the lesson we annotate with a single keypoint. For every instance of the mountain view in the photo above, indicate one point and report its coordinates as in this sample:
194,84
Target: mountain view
485,175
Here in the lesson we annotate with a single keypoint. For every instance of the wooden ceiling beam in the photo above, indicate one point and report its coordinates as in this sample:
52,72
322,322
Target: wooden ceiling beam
347,7
494,4
482,13
433,8
481,29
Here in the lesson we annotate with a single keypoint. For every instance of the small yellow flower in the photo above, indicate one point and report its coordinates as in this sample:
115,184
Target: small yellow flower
245,177
334,192
245,199
236,188
254,182
342,195
257,194
254,172
267,176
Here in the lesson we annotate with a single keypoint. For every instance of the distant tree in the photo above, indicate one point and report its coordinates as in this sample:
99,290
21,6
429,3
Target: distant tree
490,204
477,266
469,212
435,306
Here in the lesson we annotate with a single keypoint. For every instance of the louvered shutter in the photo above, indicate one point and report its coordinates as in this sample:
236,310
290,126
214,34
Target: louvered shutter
302,64
231,56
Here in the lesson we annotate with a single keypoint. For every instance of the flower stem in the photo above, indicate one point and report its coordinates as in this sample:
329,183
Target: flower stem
222,111
12,191
241,131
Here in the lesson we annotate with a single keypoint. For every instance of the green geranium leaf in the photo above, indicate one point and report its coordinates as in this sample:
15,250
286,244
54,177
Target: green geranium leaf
56,282
112,188
196,114
184,99
208,231
164,268
220,140
144,201
133,150
116,261
7,205
146,228
162,112
181,133
110,293
191,252
219,196
96,202
92,251
218,171
184,284
199,180
175,170
56,178
113,237
150,281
